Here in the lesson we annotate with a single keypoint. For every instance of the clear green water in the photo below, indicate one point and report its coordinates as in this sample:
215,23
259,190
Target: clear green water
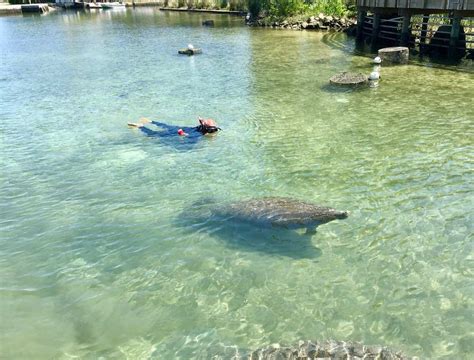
97,258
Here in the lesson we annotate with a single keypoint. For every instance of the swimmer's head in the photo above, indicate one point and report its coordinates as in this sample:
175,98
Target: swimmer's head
207,122
208,126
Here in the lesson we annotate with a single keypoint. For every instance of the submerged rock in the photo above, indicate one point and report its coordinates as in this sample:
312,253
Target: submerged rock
190,51
348,79
330,349
208,23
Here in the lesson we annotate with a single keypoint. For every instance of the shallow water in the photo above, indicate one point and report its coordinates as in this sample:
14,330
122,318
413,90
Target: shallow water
105,246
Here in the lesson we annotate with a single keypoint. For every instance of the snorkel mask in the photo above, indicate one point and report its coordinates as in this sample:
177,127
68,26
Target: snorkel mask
207,129
210,129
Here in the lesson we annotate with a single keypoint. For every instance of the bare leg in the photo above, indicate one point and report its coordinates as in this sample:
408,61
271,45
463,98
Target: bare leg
140,123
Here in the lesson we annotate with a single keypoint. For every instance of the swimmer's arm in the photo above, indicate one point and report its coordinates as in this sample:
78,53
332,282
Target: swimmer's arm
160,124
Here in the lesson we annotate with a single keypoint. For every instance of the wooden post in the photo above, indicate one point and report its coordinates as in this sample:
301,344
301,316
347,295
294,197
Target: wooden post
375,31
361,15
424,28
405,36
454,38
396,55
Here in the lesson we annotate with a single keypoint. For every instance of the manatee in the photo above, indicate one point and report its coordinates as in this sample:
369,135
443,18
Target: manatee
281,212
260,224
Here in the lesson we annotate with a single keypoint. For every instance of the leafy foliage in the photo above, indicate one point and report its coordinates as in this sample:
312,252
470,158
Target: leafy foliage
287,8
331,7
283,8
238,5
268,8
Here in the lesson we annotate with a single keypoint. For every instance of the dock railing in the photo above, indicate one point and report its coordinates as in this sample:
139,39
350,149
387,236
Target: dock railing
445,5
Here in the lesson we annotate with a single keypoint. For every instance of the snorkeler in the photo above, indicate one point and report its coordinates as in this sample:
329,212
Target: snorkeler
205,127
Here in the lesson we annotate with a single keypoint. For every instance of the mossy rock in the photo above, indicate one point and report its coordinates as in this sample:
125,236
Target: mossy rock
348,79
208,23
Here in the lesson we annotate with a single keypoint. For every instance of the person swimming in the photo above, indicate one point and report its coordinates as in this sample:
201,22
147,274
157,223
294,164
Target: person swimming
205,127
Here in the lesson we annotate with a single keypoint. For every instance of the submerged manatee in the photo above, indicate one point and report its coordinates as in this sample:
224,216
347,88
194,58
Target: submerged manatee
279,211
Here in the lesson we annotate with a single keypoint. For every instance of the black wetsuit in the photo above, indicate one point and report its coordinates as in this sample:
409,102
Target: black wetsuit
172,130
168,133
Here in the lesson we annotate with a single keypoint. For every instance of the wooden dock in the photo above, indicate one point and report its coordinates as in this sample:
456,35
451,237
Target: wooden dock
34,8
8,9
441,27
419,6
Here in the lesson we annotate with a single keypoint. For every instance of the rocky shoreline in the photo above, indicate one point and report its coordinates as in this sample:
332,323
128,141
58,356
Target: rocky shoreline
317,22
334,350
324,350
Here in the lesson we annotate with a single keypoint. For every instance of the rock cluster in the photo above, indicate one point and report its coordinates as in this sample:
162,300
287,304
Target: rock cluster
325,350
320,22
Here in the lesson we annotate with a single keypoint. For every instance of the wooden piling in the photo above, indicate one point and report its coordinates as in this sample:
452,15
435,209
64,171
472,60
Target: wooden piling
394,55
405,35
454,37
375,31
361,15
424,28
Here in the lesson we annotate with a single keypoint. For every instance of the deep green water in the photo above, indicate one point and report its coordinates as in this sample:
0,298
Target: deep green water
103,250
